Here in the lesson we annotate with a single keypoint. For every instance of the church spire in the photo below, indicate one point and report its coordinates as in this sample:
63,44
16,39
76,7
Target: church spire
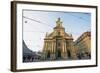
46,34
58,22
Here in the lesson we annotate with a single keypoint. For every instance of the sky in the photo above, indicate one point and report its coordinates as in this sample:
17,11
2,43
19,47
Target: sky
37,23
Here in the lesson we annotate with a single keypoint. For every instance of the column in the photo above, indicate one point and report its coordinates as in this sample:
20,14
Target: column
52,47
52,50
65,46
44,50
63,50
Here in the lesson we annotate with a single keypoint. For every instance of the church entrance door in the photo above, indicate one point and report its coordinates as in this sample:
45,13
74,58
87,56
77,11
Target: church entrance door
58,54
58,48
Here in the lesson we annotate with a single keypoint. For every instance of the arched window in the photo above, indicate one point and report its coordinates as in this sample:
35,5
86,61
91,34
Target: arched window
58,54
48,54
59,33
68,53
59,44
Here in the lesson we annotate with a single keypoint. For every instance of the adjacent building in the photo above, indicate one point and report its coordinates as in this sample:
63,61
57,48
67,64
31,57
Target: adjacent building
83,44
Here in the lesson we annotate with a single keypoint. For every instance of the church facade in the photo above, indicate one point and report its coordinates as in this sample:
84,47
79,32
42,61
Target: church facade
58,45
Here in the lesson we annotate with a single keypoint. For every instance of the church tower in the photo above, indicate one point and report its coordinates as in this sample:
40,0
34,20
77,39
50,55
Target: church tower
58,45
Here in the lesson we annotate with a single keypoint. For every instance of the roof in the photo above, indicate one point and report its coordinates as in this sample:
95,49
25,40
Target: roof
84,35
59,29
52,35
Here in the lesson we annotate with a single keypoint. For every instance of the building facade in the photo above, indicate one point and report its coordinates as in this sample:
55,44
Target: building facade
83,43
58,44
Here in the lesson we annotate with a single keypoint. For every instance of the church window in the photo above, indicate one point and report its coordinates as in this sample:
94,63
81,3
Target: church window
48,54
59,44
69,54
59,33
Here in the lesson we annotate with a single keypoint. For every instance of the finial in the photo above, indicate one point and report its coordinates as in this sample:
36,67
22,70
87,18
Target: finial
70,34
58,22
46,34
59,19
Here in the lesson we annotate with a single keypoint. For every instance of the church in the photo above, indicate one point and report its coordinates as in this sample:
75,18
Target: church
59,45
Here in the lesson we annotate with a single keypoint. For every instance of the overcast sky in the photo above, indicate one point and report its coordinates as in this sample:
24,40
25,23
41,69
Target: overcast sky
37,23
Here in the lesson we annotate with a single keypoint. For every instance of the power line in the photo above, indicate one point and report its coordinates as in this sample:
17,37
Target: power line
35,31
79,17
49,25
36,21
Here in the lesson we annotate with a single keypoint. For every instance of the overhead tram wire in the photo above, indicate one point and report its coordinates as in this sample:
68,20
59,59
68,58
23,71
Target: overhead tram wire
79,17
35,31
49,25
37,21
